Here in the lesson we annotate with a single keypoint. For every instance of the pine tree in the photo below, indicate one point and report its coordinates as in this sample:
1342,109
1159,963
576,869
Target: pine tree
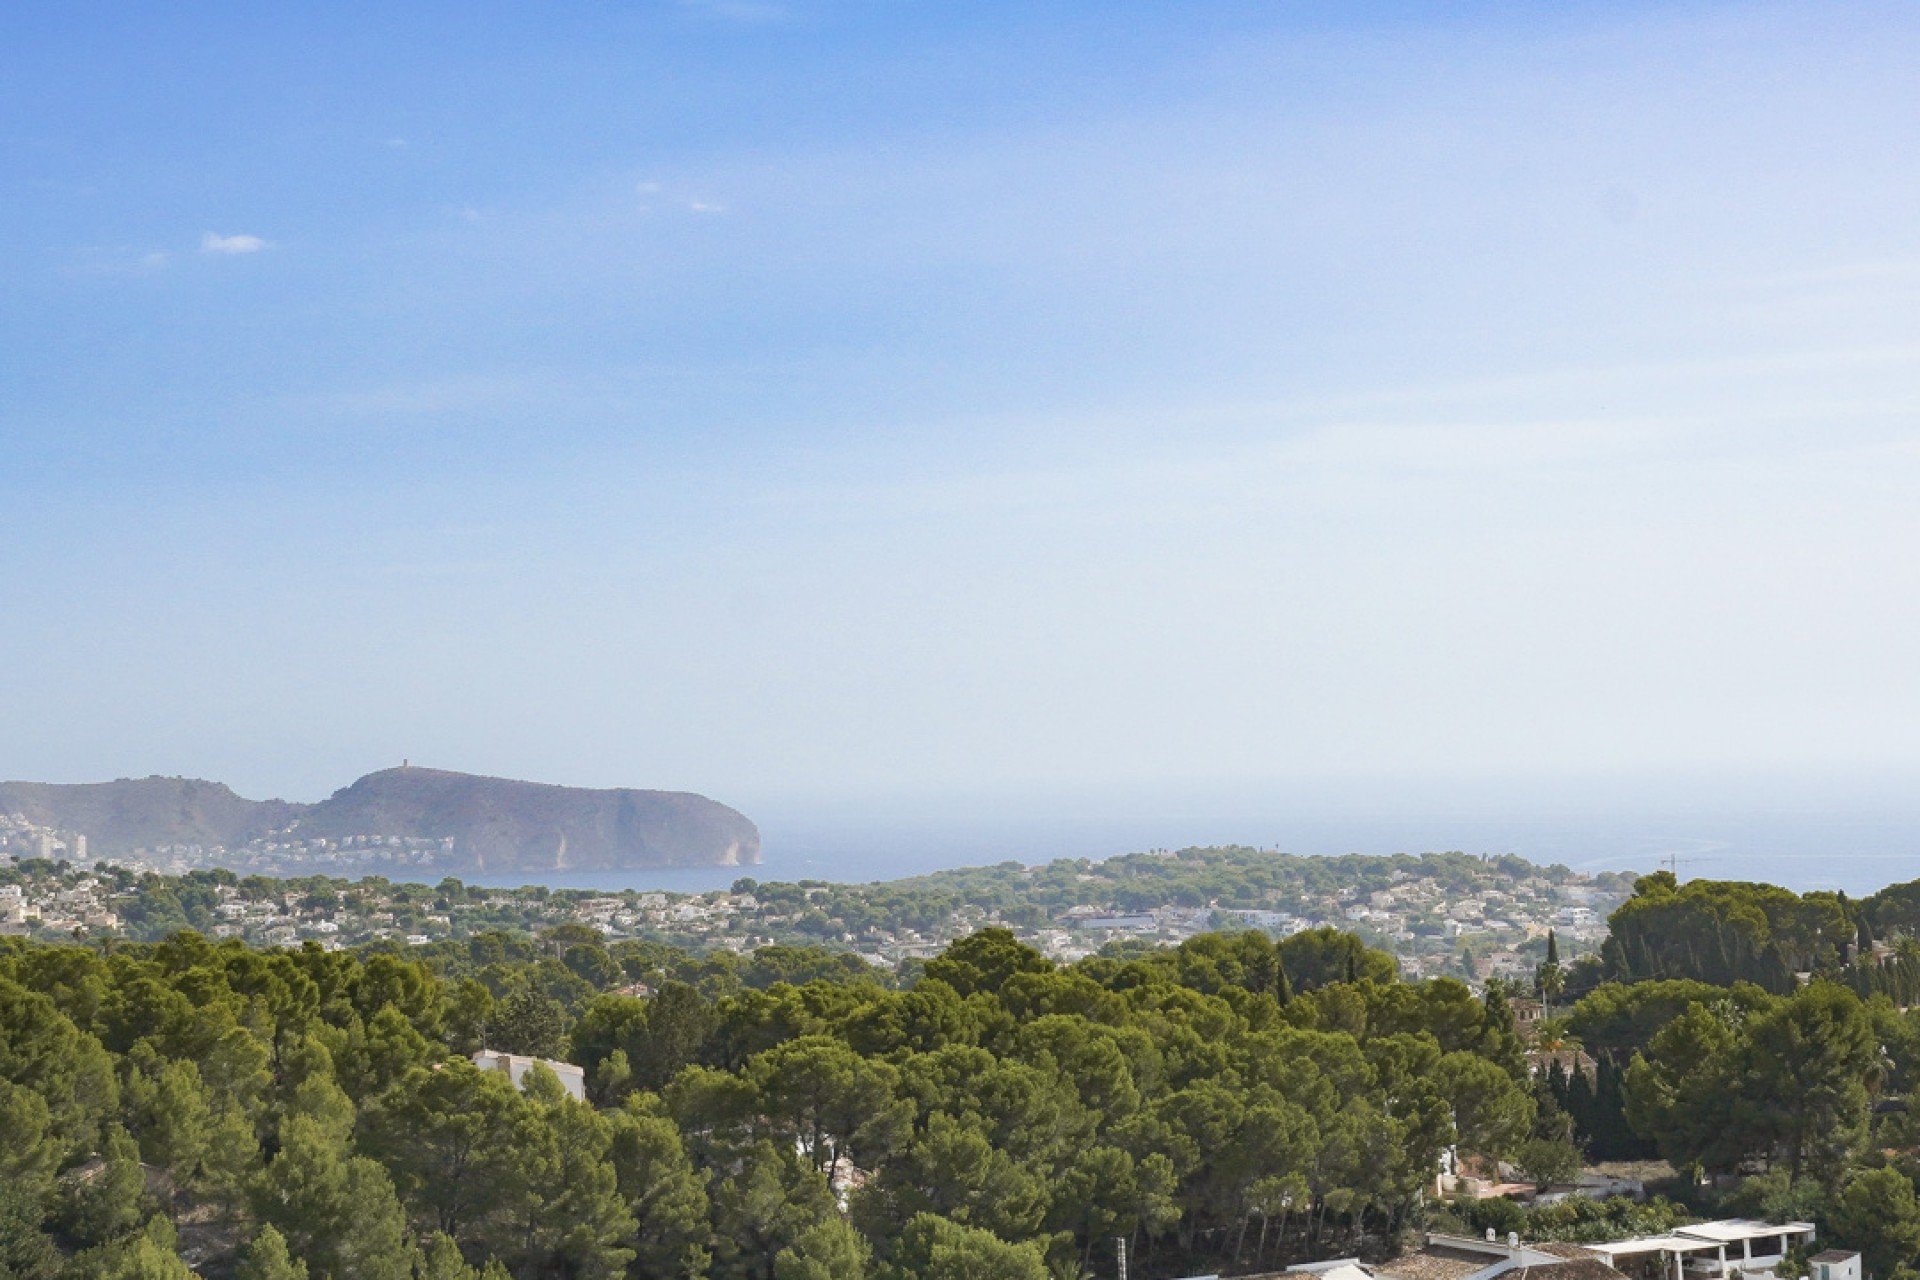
170,1111
934,1248
150,1255
111,1202
26,1251
1499,1041
266,1259
28,1157
337,1211
828,1250
657,1179
1877,1213
529,1022
441,1260
392,1047
578,1217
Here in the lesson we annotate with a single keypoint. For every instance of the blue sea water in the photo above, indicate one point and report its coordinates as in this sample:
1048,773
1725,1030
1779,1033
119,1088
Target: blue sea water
1857,847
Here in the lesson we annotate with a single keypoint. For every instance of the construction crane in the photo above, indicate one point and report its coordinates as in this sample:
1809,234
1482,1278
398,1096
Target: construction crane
1673,862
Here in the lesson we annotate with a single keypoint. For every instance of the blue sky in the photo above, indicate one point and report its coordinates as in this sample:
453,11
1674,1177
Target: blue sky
843,401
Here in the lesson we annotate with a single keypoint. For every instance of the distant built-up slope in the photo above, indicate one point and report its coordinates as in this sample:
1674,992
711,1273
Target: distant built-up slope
134,813
496,824
502,825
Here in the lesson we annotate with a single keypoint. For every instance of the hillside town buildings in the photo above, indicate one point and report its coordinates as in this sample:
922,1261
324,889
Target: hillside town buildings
1492,925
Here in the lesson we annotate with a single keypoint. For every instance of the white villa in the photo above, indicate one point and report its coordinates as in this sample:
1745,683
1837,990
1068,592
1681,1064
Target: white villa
1704,1251
573,1079
1707,1250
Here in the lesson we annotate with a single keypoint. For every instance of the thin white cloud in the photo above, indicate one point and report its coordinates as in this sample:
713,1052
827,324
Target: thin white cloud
116,260
706,206
212,243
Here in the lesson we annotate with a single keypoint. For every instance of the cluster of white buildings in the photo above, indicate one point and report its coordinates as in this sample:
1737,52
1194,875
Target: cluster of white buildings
84,905
287,855
1722,1250
1417,918
22,837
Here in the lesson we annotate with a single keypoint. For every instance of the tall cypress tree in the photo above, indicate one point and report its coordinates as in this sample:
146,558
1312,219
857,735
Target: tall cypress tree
1579,1105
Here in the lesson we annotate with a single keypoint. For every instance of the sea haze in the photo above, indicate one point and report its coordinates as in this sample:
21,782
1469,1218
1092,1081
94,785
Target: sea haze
1799,836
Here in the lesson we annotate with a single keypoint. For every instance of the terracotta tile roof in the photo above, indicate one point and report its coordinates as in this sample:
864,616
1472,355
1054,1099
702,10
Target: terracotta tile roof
1435,1262
1571,1060
1573,1269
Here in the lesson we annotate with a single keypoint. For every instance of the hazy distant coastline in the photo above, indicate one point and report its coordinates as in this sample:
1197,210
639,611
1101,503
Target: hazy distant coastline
408,821
1858,849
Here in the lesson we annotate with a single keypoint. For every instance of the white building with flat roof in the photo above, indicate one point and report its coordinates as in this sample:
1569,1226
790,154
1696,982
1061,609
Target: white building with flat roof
1708,1250
573,1079
1333,1269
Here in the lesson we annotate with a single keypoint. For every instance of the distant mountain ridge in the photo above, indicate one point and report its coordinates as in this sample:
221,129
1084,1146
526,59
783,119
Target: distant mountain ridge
496,824
507,825
132,813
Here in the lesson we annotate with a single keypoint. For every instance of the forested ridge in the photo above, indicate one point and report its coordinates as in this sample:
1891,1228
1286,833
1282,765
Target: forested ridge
1233,1103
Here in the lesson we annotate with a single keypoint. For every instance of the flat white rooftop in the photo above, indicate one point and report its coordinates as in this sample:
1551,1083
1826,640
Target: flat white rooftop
1338,1269
1653,1244
1731,1229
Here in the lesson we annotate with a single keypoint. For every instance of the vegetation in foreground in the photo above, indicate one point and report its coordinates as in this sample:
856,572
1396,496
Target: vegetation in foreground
1233,1103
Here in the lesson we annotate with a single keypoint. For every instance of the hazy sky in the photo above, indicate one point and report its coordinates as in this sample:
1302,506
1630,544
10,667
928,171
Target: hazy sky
848,399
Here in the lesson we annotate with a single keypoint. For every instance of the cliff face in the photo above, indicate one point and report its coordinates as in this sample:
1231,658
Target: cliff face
496,824
133,813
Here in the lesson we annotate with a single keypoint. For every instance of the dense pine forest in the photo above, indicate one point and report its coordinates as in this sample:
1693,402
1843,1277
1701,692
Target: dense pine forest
1235,1103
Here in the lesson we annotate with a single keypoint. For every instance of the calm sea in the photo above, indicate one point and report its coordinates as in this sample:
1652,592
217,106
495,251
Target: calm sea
1856,849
